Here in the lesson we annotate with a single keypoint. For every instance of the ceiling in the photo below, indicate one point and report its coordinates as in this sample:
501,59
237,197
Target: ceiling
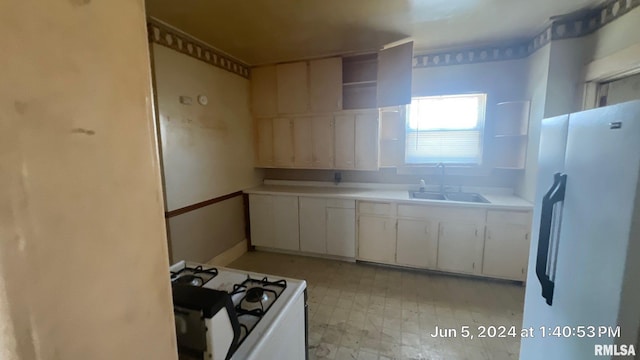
270,31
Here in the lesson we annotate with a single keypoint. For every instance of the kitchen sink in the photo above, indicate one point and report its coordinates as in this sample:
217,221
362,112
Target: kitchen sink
466,197
453,196
426,195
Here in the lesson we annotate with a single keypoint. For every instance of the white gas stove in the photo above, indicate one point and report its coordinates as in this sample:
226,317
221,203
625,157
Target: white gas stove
270,312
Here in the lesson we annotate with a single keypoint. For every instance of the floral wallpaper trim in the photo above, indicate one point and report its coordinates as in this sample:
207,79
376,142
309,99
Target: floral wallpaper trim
566,27
165,35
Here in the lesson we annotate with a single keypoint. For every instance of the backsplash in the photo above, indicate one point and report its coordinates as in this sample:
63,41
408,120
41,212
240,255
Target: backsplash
390,176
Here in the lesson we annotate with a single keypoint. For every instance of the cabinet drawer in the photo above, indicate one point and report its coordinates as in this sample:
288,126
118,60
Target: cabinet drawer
510,217
376,208
341,204
438,212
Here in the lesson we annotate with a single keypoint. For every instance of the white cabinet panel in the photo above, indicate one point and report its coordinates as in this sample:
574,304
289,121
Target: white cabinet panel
459,247
344,137
322,141
285,222
265,142
417,243
263,91
283,142
261,212
302,144
376,239
292,88
325,84
313,224
366,142
341,232
506,251
395,65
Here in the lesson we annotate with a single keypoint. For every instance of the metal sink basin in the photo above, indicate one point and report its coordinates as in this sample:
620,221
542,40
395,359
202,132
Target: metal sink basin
426,195
454,196
466,197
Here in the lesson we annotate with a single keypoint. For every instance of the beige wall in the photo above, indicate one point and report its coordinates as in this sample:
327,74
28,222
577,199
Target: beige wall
617,35
536,91
83,256
202,234
207,152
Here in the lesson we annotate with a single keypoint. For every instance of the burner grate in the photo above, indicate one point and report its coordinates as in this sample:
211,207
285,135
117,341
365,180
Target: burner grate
195,276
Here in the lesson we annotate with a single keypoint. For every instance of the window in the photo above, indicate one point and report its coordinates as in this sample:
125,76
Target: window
447,129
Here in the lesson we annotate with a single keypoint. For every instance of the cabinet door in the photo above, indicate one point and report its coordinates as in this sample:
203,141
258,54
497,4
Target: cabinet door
459,248
263,91
366,142
417,243
285,223
344,129
376,239
293,89
313,225
506,251
325,84
341,232
322,142
283,142
261,213
302,143
265,142
394,75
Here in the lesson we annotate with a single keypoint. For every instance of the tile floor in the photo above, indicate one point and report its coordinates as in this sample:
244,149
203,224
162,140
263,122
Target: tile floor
362,311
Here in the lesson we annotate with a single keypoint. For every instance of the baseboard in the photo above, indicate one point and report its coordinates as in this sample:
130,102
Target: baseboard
230,255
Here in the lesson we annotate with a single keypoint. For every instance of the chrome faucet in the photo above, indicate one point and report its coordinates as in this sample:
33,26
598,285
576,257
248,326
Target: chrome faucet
422,185
441,165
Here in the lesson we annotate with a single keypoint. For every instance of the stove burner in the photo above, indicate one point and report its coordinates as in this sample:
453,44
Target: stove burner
255,295
193,276
189,279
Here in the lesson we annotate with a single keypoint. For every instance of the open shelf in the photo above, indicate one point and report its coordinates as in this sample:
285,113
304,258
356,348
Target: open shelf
359,81
510,137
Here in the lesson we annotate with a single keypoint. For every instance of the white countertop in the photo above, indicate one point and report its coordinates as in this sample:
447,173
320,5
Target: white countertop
499,198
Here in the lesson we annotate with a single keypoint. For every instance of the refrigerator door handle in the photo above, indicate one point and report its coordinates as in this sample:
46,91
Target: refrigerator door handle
553,196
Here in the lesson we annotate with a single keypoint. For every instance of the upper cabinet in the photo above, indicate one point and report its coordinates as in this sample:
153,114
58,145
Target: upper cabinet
394,75
333,84
292,88
298,109
378,80
325,85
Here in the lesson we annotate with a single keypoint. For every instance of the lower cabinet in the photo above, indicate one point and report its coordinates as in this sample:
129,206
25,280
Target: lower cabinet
274,221
492,243
459,247
308,224
417,243
376,238
506,245
341,231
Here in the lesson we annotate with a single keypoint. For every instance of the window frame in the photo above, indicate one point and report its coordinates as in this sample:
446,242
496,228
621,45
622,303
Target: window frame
481,127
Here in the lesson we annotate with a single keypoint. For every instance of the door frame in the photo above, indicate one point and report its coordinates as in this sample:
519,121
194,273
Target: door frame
621,64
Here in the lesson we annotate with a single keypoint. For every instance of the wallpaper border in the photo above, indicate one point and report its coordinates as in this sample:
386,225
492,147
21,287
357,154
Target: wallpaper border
162,34
566,27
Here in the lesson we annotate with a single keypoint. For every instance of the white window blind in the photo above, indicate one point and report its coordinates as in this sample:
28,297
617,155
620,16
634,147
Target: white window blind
447,129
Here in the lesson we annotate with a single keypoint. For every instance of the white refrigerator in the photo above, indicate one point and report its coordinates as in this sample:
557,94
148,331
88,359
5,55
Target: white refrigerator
583,285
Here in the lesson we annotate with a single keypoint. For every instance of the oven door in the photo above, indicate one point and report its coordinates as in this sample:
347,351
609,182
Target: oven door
191,333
